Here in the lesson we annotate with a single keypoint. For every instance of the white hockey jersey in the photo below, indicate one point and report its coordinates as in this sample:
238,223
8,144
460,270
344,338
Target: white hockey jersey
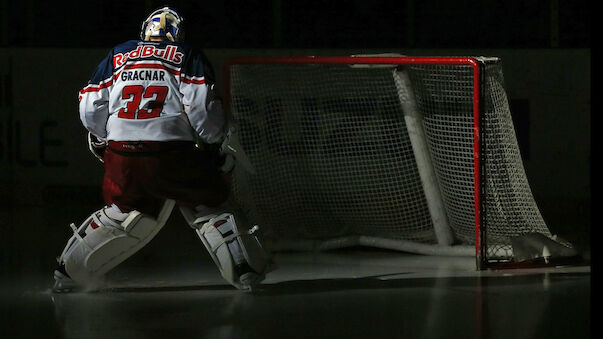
152,91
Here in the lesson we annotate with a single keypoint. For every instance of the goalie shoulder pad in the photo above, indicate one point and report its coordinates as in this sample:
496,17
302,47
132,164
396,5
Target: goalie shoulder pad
239,255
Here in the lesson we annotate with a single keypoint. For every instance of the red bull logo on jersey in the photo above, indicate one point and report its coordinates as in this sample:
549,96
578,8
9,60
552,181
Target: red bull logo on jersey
170,53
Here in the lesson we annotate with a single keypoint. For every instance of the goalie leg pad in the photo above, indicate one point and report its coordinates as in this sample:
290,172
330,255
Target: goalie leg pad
107,238
239,255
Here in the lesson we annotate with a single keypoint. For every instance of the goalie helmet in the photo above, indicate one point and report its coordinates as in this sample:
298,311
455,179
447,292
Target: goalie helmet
164,23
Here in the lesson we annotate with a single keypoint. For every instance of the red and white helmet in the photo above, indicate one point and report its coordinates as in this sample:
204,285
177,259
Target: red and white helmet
165,23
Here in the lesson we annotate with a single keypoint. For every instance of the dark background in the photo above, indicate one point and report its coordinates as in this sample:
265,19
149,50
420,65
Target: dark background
48,50
307,24
48,179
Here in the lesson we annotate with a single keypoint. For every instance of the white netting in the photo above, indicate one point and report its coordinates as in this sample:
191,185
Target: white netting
333,155
509,204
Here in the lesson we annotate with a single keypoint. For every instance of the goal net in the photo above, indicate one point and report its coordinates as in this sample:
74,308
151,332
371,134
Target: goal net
417,154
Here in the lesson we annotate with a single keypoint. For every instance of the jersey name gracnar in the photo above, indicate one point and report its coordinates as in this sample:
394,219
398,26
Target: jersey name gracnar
142,75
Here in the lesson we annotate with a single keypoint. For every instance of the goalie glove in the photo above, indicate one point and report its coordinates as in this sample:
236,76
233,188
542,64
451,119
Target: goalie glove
97,146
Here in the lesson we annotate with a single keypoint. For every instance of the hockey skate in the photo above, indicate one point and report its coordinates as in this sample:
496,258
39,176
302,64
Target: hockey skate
250,280
62,282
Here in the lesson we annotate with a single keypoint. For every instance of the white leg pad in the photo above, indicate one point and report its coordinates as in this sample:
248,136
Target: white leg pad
106,239
239,255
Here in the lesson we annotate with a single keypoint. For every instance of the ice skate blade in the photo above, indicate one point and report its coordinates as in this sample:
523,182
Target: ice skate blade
64,284
66,287
249,281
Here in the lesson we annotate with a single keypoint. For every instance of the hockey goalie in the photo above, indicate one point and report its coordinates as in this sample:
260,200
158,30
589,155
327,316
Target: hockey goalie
156,123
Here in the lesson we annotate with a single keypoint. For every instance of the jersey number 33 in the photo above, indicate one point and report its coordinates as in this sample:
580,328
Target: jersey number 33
135,93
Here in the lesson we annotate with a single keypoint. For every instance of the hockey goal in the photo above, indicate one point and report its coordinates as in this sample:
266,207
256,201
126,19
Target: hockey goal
416,154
